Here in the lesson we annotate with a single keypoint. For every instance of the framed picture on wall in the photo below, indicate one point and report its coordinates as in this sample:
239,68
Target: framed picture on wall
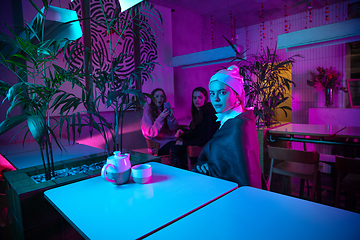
353,86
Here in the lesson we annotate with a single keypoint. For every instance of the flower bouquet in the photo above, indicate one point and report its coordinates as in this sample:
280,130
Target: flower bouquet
327,79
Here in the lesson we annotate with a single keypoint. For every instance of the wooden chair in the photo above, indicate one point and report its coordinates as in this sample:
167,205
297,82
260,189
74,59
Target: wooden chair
295,163
153,149
192,151
348,177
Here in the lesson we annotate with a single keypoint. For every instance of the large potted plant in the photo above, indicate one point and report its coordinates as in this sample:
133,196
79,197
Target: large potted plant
37,62
34,60
116,88
266,89
39,93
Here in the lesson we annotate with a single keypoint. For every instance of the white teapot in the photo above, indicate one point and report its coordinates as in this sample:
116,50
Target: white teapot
117,168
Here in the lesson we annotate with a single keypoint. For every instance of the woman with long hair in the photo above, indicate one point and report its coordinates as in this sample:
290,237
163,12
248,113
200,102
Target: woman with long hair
159,123
202,127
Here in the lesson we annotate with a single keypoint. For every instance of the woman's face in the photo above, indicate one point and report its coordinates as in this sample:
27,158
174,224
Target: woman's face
198,99
160,98
222,96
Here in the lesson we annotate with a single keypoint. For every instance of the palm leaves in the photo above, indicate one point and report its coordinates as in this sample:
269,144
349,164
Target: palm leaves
268,87
39,90
265,85
114,89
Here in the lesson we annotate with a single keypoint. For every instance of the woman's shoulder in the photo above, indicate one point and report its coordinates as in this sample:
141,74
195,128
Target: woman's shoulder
243,119
247,115
146,109
208,108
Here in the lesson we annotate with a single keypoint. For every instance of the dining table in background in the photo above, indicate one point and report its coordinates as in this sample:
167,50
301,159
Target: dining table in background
319,134
98,209
250,213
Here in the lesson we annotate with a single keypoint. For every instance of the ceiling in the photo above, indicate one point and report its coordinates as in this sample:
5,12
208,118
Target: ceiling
244,11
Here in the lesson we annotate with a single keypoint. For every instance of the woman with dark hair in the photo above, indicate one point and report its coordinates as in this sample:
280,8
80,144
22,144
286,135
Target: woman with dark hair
202,127
158,122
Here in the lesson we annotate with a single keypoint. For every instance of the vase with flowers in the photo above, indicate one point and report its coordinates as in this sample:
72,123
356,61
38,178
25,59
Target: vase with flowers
327,80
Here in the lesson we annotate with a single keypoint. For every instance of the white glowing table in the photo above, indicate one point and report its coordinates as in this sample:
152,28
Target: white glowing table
101,210
307,130
290,131
250,213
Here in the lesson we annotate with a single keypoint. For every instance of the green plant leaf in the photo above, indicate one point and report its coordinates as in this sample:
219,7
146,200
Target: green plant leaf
37,128
112,96
4,88
12,122
79,123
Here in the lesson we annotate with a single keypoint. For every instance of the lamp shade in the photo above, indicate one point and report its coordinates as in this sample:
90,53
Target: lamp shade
54,23
330,34
126,4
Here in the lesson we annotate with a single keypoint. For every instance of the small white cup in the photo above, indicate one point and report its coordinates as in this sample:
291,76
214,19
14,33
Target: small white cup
141,173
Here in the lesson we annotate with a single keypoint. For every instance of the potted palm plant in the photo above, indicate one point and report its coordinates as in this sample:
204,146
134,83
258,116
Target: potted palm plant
34,61
39,93
266,89
116,87
37,63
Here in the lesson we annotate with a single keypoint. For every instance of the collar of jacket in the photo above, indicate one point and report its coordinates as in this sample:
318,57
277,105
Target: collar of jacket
229,114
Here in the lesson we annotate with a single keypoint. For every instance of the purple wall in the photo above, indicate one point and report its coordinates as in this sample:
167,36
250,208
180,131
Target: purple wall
305,97
192,33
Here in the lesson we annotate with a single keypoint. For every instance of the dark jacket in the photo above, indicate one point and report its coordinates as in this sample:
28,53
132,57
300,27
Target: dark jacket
233,153
204,131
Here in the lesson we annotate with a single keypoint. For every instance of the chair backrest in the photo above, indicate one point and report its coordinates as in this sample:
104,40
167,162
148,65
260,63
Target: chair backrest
301,158
194,151
347,165
292,155
153,147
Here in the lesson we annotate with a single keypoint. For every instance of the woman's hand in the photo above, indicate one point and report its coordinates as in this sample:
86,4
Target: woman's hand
165,113
179,142
203,168
179,133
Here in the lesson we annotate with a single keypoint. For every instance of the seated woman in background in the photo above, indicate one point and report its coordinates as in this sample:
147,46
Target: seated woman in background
202,127
158,122
233,152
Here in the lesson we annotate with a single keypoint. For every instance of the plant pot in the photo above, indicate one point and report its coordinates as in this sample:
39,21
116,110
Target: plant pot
30,215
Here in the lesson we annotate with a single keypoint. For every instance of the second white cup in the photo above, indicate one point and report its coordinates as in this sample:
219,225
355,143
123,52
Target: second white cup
141,173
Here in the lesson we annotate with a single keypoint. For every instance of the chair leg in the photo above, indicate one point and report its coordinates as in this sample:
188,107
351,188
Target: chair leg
301,191
286,185
350,200
270,174
308,187
318,189
333,174
337,190
189,163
